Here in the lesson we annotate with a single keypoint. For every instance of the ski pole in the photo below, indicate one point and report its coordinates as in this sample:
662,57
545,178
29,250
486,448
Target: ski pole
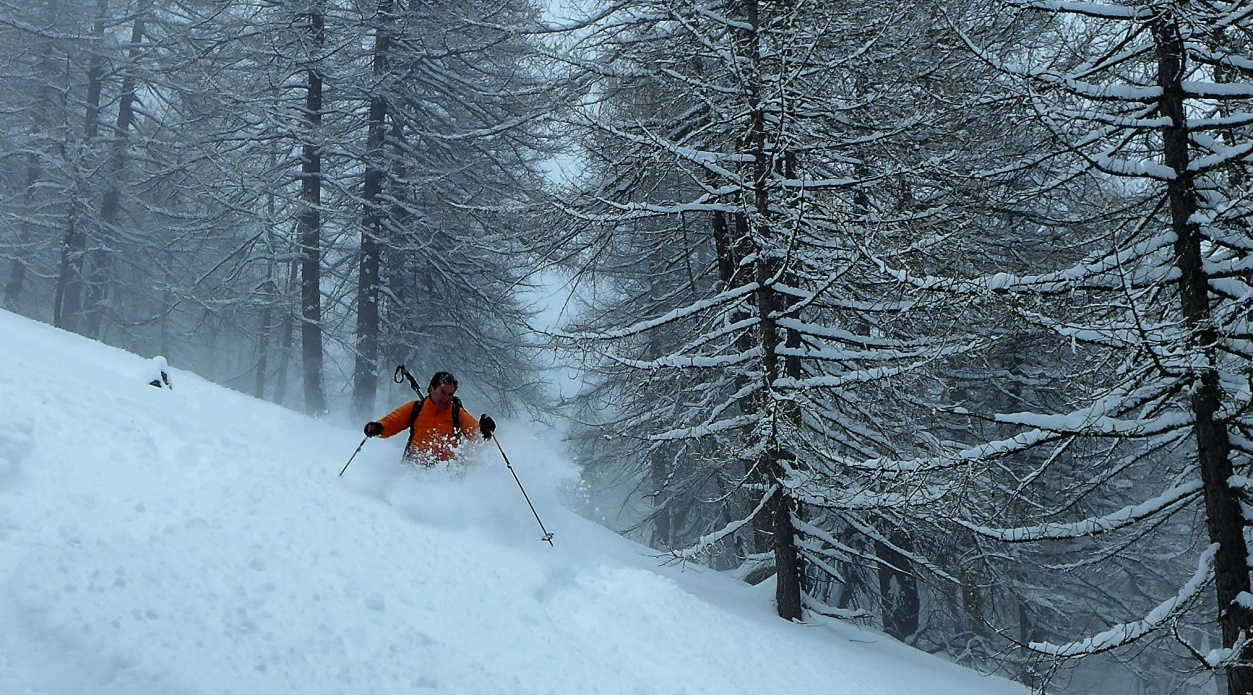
354,455
547,536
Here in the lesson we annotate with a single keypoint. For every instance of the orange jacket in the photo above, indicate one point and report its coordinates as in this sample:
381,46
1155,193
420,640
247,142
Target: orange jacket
432,437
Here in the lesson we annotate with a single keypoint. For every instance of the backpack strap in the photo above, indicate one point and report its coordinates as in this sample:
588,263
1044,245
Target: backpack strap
456,419
413,417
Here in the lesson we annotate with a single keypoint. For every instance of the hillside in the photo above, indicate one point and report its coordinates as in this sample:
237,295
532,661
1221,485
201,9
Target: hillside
201,541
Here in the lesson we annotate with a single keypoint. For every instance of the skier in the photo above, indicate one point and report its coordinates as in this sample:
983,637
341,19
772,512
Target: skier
436,424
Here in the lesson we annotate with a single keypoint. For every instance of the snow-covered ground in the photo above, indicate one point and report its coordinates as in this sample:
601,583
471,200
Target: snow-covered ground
196,540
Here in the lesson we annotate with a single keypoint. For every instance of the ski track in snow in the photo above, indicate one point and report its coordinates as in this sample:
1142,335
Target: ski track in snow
199,541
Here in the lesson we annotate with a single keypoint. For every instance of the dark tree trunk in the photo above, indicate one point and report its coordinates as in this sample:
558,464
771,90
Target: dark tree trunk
658,462
392,345
1223,518
789,578
309,222
68,308
365,376
44,103
898,588
101,258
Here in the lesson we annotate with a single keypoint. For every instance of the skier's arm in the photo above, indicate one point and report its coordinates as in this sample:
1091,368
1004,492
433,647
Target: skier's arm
397,421
469,425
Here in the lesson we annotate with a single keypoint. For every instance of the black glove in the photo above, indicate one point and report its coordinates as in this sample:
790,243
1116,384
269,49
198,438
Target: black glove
486,425
373,429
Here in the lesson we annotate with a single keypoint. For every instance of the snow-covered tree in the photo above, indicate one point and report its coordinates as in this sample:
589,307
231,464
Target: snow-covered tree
734,142
455,132
1134,443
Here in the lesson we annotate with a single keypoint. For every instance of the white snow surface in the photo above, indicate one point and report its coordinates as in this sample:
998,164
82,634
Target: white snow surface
196,540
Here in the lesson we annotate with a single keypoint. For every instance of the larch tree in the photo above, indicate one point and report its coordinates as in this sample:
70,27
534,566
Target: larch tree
312,27
1139,444
456,132
774,366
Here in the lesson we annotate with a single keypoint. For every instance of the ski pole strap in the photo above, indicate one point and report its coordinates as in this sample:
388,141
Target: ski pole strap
403,374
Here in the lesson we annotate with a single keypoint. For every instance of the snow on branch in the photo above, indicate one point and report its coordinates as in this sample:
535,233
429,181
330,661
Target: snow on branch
866,499
988,450
705,429
1122,518
872,533
1087,9
1218,90
681,312
1060,281
1207,55
723,19
860,376
1139,168
848,337
1096,421
1222,157
691,362
695,550
1113,334
823,609
1127,633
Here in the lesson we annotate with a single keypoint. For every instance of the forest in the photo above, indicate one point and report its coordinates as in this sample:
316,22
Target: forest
935,314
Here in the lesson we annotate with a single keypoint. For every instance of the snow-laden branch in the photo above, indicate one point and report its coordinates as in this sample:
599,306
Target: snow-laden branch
861,376
1093,526
1136,168
1114,334
1059,281
1126,633
998,448
702,544
1217,90
1222,157
1095,420
681,312
864,499
845,336
692,361
705,429
710,161
1065,82
1087,9
816,606
1204,54
915,558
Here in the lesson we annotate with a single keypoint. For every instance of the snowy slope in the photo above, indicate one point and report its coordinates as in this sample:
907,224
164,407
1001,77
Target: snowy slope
200,541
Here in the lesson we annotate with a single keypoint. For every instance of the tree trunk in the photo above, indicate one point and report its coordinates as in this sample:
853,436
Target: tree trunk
101,258
898,588
286,333
1224,521
789,578
365,375
68,307
44,103
309,222
272,293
